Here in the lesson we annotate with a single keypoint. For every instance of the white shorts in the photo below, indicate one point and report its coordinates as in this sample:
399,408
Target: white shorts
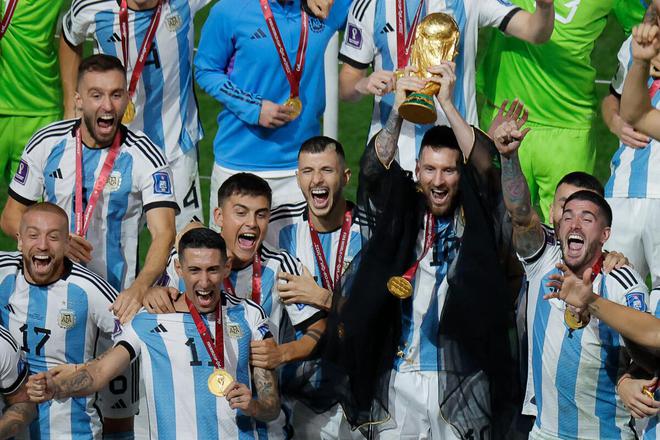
330,425
414,406
283,184
186,188
636,234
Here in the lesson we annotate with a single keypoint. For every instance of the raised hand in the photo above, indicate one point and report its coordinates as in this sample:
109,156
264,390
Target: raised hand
574,290
645,44
506,129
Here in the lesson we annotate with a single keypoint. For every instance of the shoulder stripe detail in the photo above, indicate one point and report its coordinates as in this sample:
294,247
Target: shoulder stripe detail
106,289
616,274
260,309
284,258
151,151
285,214
56,129
629,275
4,334
77,7
360,8
287,207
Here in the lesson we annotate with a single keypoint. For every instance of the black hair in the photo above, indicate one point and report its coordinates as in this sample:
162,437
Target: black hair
244,184
319,144
439,137
596,199
582,180
202,238
100,63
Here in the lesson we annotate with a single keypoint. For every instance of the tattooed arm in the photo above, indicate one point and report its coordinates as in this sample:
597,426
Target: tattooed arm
83,380
528,236
18,413
267,406
267,354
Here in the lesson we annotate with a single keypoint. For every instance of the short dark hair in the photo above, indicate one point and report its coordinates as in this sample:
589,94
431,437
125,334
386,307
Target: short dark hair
202,238
244,184
582,180
439,137
100,63
319,144
596,199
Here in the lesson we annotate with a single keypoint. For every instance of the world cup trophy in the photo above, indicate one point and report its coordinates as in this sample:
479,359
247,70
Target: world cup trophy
436,40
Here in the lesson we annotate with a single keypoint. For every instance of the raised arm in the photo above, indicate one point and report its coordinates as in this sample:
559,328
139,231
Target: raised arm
528,233
70,57
534,27
354,83
620,128
18,413
268,354
636,108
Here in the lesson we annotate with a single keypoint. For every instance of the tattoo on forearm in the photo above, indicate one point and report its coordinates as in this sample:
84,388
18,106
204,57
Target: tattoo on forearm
16,418
268,405
79,383
314,334
387,138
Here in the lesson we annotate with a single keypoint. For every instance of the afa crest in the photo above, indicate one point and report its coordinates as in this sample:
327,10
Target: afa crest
66,319
173,21
234,331
316,25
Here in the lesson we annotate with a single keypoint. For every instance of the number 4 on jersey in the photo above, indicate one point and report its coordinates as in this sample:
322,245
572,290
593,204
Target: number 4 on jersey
572,6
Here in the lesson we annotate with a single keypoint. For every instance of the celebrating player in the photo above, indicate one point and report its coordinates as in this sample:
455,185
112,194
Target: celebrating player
154,38
108,178
59,310
567,347
380,34
195,362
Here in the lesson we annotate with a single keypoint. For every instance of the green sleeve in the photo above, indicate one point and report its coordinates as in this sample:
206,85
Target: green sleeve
629,13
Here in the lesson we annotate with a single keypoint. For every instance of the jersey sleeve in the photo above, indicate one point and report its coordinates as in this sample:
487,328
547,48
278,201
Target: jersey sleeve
626,287
496,13
358,48
27,186
338,14
212,62
257,320
77,23
301,315
170,278
126,336
629,13
13,369
196,5
539,260
624,57
156,184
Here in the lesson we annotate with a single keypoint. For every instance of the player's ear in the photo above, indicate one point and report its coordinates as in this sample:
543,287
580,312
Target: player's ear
298,179
605,235
77,100
217,217
227,268
20,241
177,267
347,176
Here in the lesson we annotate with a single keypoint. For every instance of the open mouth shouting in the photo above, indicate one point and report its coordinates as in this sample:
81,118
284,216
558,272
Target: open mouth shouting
204,297
574,244
247,241
105,125
439,196
320,197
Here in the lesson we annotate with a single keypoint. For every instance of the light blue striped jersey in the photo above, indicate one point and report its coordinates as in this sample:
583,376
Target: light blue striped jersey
13,368
575,371
164,98
634,171
66,322
420,314
175,366
652,429
370,40
140,180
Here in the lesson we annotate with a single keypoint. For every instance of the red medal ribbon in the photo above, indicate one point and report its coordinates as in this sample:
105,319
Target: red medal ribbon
328,282
4,24
596,268
429,236
403,43
83,220
146,43
216,352
256,281
293,75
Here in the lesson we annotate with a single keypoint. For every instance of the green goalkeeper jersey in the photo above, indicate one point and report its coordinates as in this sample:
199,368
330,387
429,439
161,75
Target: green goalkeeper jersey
29,73
555,80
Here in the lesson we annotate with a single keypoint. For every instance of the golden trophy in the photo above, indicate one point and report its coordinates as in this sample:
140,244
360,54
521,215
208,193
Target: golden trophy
436,40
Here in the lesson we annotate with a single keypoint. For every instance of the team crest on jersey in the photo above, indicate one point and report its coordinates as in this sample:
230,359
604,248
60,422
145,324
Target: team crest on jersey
22,172
162,183
66,319
234,330
114,181
354,36
316,25
173,21
635,300
117,330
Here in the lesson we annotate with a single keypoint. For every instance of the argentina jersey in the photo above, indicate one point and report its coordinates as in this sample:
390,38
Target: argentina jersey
66,322
140,180
652,429
420,314
370,40
575,371
13,368
632,169
175,366
164,98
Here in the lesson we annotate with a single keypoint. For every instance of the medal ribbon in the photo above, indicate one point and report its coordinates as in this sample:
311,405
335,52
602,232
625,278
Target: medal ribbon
83,220
328,282
403,43
146,43
256,281
4,24
429,236
654,88
216,352
293,75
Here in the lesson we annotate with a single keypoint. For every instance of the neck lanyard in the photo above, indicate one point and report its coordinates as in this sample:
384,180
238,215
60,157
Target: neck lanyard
82,220
403,43
256,280
217,351
4,24
330,283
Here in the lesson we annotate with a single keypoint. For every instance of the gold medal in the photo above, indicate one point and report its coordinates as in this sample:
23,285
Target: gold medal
129,114
219,382
573,321
648,392
296,106
399,287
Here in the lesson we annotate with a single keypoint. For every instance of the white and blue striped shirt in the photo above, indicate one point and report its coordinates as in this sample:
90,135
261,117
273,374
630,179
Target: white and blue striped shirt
634,171
370,39
574,372
140,180
66,322
652,429
166,108
175,366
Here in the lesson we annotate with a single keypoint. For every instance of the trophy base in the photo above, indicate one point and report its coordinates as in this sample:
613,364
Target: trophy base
418,108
